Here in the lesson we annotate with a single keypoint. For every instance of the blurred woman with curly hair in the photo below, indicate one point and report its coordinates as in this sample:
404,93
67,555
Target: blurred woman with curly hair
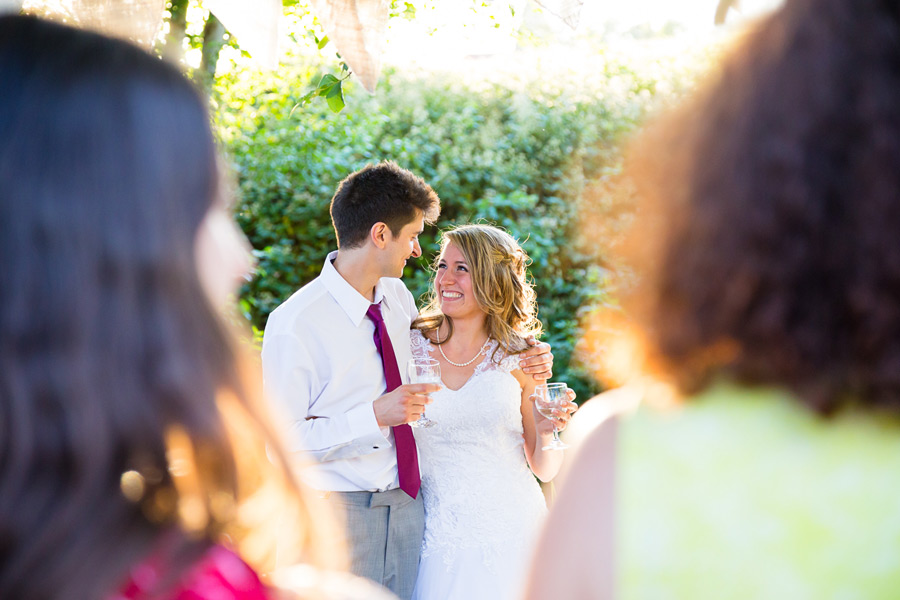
769,298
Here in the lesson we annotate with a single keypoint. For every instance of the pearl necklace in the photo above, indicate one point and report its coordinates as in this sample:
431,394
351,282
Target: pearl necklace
455,364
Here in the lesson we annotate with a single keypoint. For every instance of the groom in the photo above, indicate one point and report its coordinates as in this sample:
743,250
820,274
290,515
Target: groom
334,356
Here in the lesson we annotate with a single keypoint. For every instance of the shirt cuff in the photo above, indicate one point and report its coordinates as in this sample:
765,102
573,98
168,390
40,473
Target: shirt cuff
364,428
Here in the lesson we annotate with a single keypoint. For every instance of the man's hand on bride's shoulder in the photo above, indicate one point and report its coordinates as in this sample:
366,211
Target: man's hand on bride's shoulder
537,361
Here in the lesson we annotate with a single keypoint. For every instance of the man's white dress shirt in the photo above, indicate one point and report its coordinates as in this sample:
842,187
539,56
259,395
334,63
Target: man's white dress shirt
322,370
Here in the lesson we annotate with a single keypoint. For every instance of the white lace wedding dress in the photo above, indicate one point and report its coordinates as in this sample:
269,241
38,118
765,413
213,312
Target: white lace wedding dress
483,506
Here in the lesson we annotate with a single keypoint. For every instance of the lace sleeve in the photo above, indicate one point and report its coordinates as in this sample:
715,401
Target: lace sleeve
510,362
507,362
418,344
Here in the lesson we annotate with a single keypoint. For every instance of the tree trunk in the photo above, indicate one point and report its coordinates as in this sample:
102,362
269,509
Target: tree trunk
213,40
173,50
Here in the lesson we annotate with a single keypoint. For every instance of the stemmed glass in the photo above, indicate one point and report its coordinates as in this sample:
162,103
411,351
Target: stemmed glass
547,398
424,370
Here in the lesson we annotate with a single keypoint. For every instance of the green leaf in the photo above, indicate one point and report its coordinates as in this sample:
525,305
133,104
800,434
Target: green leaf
335,98
323,42
327,82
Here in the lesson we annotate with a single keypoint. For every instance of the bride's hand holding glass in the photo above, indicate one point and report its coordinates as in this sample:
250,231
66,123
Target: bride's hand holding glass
553,406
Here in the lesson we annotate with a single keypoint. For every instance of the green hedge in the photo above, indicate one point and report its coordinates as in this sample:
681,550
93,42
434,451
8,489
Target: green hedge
517,155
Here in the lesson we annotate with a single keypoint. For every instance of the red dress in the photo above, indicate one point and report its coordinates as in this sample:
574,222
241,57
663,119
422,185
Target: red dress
220,574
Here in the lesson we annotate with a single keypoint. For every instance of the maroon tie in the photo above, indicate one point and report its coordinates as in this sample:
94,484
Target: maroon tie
404,442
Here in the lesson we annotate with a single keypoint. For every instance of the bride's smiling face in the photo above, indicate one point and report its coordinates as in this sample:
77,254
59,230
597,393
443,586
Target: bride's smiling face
453,285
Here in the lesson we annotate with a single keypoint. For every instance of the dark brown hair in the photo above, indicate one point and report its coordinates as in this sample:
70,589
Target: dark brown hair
382,193
768,234
119,384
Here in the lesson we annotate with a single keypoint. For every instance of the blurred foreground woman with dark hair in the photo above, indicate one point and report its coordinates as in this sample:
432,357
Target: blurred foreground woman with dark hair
132,449
769,255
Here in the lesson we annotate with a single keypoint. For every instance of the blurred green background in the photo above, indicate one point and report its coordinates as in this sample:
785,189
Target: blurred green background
522,153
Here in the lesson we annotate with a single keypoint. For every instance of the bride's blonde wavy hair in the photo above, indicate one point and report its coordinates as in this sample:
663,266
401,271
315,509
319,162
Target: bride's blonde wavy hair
498,267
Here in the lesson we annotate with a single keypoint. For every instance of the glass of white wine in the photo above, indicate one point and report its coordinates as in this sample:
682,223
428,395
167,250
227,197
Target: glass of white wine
549,397
424,370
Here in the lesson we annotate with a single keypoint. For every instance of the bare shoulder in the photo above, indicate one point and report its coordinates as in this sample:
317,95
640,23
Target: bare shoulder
579,533
599,409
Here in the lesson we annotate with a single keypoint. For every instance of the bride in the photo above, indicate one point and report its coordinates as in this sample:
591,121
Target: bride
483,506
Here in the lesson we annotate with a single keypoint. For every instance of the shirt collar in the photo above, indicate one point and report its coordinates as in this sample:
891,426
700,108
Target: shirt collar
351,301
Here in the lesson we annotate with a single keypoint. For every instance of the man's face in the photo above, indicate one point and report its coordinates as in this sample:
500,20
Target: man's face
404,246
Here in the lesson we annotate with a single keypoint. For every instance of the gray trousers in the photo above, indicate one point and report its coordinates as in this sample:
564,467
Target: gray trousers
384,531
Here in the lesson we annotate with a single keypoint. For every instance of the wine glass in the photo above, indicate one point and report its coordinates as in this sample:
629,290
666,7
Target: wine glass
424,370
550,397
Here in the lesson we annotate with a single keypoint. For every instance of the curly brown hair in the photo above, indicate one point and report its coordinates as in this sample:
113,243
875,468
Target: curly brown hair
768,230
